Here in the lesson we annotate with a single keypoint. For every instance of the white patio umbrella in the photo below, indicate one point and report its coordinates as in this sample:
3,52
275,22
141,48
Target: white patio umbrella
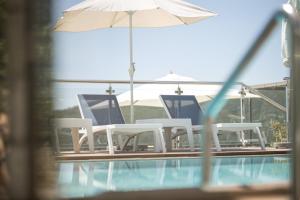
285,35
148,94
94,14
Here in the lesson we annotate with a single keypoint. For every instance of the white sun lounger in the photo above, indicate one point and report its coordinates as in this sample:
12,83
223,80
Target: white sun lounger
106,116
74,124
186,106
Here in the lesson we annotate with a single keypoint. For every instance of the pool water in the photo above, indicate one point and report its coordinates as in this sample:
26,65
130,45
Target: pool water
88,178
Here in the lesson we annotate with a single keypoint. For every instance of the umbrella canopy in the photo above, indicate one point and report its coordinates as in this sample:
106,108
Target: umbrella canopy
148,95
285,35
94,14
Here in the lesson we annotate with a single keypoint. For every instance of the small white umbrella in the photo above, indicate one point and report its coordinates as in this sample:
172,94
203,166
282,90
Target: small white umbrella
285,35
95,14
148,94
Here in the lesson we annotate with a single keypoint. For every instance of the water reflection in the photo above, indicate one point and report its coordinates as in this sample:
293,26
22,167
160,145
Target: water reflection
80,179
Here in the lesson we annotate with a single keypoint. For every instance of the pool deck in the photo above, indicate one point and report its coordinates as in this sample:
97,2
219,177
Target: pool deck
132,155
254,192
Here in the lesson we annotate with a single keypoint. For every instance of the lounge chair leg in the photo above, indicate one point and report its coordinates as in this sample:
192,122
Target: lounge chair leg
264,137
156,143
215,138
135,143
75,139
159,134
262,143
156,137
109,141
120,141
241,137
90,136
190,137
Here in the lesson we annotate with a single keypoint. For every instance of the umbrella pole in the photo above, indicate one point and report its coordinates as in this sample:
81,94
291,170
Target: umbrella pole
241,109
131,68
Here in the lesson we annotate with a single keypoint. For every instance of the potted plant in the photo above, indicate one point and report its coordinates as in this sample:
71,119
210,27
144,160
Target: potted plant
280,135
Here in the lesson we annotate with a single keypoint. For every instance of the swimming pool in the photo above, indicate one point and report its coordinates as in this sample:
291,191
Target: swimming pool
88,178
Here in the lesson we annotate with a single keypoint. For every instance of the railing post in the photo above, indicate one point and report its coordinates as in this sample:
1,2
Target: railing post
295,111
217,104
21,183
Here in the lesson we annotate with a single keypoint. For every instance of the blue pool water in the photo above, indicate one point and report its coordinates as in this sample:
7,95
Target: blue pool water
87,178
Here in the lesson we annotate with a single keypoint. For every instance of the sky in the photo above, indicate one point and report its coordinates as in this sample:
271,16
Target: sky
207,51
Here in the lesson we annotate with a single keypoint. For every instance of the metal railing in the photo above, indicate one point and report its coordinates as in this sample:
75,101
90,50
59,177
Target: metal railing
247,87
265,98
219,101
141,82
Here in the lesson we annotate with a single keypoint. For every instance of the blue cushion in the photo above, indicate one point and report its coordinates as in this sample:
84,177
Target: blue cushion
102,109
183,106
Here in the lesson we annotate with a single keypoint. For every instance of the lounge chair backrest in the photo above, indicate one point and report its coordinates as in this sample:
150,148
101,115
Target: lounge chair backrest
182,106
102,109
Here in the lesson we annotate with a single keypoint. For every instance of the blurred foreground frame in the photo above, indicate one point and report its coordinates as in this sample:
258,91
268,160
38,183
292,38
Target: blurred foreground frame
28,35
